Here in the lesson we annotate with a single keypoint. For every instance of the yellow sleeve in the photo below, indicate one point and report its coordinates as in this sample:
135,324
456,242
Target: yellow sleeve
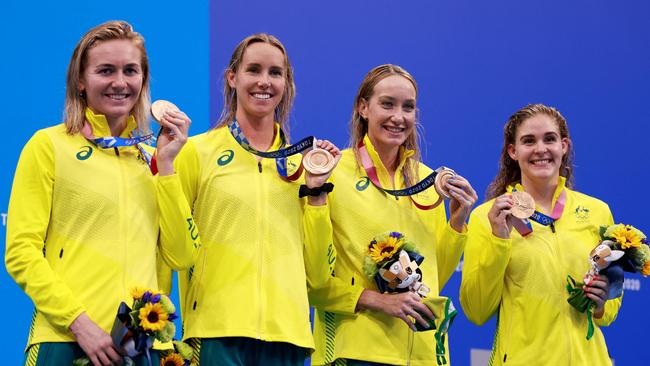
319,252
188,168
336,296
179,236
611,306
486,260
27,224
611,312
449,248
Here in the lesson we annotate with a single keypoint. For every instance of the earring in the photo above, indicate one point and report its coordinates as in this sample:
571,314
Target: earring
82,94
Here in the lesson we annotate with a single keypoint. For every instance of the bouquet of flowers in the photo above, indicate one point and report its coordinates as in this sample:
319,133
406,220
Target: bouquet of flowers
623,248
134,330
392,262
181,355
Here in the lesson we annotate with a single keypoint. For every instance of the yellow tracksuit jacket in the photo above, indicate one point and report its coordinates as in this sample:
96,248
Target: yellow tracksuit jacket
256,260
86,225
359,211
522,280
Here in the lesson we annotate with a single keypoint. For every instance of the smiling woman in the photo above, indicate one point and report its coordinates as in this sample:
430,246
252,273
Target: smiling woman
519,274
358,321
88,220
112,81
245,301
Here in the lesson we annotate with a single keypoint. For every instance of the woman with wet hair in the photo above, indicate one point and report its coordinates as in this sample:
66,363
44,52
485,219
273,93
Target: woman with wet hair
245,301
357,323
87,218
520,274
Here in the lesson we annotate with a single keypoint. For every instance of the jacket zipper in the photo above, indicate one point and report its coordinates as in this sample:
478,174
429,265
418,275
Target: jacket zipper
123,208
556,243
260,248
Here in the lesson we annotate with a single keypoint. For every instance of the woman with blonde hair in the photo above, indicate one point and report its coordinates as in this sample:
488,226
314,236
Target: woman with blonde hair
357,324
245,301
520,275
87,218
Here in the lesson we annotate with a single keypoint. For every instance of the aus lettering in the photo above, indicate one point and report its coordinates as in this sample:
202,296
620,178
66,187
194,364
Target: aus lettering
4,218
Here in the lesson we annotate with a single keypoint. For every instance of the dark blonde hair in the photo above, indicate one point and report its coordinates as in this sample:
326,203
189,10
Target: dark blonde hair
359,125
75,102
281,114
509,171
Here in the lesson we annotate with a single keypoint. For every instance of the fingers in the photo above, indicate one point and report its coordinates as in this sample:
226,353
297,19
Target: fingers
408,322
104,360
412,307
598,288
498,216
424,310
330,147
461,185
114,355
176,122
93,358
418,318
501,206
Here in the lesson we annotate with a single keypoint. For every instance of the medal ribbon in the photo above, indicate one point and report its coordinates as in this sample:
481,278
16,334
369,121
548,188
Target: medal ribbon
280,155
114,142
524,227
371,172
111,141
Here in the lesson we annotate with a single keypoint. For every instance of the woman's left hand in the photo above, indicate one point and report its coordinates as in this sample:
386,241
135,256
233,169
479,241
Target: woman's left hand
175,126
463,197
598,292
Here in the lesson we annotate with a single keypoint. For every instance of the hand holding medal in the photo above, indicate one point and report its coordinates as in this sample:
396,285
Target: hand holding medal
319,164
461,194
174,127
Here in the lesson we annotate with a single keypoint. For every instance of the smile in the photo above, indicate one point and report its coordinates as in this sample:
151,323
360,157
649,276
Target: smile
261,96
541,161
394,129
119,96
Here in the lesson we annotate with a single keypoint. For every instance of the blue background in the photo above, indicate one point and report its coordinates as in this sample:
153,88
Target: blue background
475,62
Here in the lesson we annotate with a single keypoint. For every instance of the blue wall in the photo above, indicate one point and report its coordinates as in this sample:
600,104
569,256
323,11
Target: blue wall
475,62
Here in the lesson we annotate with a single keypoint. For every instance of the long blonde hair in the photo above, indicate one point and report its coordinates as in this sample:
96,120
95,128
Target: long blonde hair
281,114
359,125
509,171
75,100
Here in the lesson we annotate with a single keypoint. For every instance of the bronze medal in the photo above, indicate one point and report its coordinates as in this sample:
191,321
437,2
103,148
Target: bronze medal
159,107
523,205
318,161
440,183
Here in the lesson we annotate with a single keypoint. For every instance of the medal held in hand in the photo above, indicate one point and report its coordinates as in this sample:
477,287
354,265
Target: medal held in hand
159,107
318,161
523,205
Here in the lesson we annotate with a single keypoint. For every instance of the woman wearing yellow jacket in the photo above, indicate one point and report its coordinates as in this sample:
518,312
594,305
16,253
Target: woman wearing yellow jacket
87,222
355,323
520,275
245,301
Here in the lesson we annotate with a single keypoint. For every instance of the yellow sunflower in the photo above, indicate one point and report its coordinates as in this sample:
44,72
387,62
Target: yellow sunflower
627,236
172,360
153,317
384,249
137,292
